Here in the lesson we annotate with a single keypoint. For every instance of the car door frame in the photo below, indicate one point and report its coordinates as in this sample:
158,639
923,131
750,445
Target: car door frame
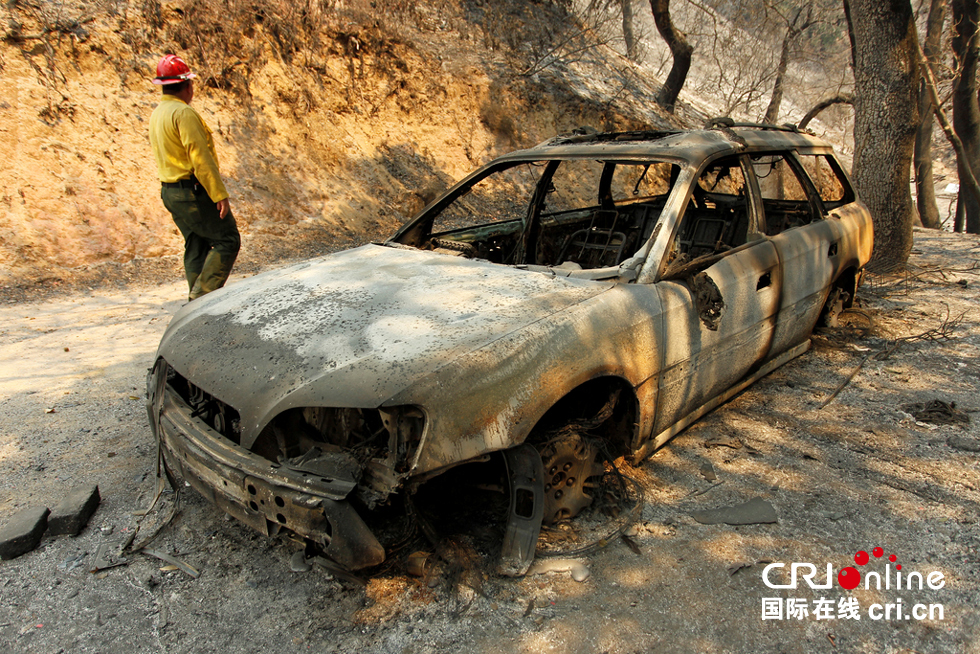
814,247
700,363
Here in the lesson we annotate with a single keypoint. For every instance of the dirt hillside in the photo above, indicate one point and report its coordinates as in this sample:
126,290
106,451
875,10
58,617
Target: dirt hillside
333,120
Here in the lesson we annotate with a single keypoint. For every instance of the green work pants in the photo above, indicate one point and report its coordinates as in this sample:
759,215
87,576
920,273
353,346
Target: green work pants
211,243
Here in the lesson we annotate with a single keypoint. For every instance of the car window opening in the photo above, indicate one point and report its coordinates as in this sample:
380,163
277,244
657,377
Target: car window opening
717,219
786,201
574,214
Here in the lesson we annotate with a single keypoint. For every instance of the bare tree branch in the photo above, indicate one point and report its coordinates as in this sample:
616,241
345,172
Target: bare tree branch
841,98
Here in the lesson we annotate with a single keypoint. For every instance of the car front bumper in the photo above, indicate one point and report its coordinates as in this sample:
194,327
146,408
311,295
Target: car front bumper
257,491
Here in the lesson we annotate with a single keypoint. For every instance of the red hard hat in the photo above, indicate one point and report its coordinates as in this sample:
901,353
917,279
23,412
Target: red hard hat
172,70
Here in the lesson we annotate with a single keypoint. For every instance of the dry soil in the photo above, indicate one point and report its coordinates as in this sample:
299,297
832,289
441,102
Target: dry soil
857,474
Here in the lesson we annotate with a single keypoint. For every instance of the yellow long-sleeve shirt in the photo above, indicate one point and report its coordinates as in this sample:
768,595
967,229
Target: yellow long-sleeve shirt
183,146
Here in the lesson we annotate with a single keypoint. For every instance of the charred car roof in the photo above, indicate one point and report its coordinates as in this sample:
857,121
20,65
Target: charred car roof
691,146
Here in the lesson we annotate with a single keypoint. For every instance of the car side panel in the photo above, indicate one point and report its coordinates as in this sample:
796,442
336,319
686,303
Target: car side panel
857,235
813,256
490,399
810,255
700,362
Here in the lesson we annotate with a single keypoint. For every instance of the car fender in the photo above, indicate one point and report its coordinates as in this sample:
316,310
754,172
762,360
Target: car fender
491,398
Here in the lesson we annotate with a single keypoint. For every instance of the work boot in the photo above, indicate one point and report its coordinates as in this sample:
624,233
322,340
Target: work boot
191,280
213,276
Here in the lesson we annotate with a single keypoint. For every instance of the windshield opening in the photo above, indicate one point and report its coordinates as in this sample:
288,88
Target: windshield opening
574,213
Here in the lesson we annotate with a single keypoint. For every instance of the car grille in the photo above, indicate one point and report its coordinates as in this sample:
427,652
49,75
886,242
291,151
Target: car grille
216,414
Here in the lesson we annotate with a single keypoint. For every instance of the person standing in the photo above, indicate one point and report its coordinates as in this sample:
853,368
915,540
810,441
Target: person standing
192,190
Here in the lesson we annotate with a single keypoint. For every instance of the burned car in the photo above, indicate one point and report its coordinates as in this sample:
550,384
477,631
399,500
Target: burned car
588,297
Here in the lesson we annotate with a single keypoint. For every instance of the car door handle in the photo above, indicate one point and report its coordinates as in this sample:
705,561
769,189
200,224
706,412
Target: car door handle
765,281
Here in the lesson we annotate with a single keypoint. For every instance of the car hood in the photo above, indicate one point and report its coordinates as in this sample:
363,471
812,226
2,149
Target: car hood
352,329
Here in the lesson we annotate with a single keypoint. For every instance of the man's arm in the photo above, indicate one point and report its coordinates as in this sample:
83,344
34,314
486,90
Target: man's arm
196,139
224,208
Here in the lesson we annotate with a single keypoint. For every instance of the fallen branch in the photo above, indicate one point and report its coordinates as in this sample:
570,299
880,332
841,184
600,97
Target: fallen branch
694,494
163,556
975,268
845,382
943,332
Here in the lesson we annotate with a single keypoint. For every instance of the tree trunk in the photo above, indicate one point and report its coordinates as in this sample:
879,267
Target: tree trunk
966,110
629,36
800,23
925,185
772,111
680,50
885,60
967,174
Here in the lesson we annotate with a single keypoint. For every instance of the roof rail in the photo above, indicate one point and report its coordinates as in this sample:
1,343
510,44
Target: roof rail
588,135
725,121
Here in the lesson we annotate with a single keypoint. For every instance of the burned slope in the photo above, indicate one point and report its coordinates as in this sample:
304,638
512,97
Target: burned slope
333,123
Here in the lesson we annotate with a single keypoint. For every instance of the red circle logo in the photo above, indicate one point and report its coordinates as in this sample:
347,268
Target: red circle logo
849,578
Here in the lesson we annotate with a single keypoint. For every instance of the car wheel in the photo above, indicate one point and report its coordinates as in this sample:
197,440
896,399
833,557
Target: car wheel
571,464
832,308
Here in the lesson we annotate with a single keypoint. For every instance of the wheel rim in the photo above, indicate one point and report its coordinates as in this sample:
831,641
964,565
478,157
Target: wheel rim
569,468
